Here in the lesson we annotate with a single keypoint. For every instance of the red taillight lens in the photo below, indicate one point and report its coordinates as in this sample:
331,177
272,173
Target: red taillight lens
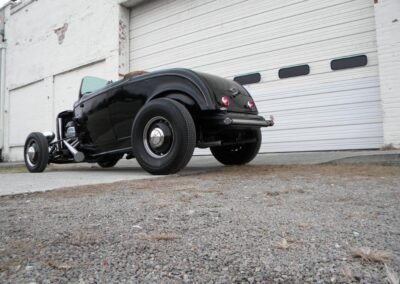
225,101
251,105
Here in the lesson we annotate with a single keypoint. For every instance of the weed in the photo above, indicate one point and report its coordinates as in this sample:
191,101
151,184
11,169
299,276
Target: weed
369,255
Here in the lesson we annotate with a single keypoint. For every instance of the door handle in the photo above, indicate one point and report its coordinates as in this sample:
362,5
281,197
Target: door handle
82,105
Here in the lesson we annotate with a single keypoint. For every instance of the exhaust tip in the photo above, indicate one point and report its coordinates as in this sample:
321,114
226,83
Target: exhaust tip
79,157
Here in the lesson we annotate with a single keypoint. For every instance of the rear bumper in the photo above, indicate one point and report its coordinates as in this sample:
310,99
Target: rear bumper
232,120
250,122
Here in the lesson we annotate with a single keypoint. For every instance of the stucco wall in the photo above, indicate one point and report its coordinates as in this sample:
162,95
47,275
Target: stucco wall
51,45
387,15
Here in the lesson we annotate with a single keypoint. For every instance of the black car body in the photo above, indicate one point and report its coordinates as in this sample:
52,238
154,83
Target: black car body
156,117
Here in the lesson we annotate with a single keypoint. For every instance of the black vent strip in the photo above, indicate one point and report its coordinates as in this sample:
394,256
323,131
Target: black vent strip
294,71
248,78
304,69
349,62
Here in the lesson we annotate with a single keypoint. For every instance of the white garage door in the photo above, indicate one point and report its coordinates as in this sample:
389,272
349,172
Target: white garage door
324,110
30,110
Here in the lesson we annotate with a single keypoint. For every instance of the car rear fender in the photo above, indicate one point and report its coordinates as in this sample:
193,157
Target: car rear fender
184,99
189,101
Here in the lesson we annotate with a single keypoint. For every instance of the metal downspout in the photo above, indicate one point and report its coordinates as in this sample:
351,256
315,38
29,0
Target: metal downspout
2,92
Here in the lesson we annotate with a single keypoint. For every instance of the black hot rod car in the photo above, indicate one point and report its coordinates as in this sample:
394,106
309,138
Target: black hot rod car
157,118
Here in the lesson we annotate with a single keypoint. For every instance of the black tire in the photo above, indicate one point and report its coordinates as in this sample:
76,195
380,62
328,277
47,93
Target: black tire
108,163
163,137
238,154
36,152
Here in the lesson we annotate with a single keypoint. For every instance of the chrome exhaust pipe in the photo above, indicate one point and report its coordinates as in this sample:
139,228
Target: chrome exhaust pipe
78,156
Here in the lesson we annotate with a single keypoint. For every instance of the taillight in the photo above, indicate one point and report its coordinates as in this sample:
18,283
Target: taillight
251,105
225,101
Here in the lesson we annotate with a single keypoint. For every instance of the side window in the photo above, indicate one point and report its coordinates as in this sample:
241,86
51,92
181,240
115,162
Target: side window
91,84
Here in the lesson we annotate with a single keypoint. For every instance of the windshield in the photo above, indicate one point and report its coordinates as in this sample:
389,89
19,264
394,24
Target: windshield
92,84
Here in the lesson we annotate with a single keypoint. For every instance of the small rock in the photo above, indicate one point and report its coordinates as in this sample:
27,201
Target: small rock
358,277
356,234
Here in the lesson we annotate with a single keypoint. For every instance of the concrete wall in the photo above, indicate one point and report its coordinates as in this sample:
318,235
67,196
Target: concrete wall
387,16
51,45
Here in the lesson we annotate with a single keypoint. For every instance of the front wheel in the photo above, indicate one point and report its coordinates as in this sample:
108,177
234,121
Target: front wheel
36,152
238,154
163,137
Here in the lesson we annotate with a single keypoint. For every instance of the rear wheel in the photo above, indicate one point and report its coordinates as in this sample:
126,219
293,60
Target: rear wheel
163,137
36,152
238,154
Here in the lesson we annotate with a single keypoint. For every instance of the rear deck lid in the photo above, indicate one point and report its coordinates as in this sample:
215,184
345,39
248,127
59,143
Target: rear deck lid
229,94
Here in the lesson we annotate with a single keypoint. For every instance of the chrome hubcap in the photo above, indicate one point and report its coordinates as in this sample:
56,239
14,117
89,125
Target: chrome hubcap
32,154
158,137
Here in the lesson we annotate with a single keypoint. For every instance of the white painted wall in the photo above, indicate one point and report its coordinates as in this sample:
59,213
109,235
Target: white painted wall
387,17
51,45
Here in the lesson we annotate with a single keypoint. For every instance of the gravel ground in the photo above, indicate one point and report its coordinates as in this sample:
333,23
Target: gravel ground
252,224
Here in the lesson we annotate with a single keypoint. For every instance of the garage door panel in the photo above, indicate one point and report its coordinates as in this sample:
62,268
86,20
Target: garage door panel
147,8
252,65
323,145
219,12
161,13
349,112
320,100
327,116
29,107
255,33
349,42
183,22
339,132
167,18
232,47
240,16
226,21
319,85
325,110
261,61
314,83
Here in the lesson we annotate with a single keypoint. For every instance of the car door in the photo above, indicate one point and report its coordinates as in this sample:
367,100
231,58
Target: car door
94,117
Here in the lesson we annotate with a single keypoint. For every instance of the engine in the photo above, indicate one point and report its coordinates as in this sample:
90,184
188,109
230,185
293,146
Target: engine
70,130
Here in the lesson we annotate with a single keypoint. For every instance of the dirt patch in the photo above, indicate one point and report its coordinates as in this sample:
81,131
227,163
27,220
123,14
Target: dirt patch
233,173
